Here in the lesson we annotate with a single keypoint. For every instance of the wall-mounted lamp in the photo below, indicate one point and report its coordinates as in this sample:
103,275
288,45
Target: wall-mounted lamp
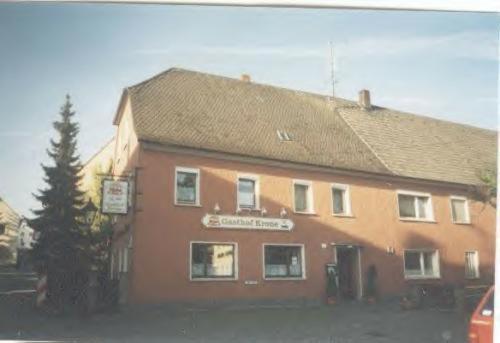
216,208
391,250
283,213
263,211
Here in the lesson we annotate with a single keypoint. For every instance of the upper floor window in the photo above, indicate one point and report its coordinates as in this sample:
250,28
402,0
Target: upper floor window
187,186
459,210
2,229
421,263
248,192
414,205
341,202
303,197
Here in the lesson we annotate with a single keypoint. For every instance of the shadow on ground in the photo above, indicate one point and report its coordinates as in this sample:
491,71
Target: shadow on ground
342,323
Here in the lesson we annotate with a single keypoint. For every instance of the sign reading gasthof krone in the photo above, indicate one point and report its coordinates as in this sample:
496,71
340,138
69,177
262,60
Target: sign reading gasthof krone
114,197
250,223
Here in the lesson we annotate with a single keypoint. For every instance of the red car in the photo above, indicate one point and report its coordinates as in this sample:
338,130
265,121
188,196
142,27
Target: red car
481,322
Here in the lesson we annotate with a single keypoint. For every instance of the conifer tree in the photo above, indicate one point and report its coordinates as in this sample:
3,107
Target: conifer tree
61,249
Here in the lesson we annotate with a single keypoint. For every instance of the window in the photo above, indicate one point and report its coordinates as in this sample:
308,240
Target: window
341,203
459,210
471,265
284,261
187,186
2,229
415,206
303,199
213,261
421,264
248,197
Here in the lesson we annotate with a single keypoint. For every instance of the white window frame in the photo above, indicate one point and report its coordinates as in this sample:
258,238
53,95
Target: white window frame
422,276
303,261
198,176
255,179
236,269
310,196
476,265
347,199
430,207
466,210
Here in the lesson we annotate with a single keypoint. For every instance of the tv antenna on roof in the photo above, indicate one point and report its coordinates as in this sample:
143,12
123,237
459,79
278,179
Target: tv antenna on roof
332,67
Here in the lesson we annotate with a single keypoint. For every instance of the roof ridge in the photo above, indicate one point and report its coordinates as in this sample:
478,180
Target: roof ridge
426,117
318,95
234,79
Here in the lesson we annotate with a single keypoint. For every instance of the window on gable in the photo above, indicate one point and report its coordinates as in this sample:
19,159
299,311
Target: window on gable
459,210
248,193
415,206
421,264
341,200
303,199
187,182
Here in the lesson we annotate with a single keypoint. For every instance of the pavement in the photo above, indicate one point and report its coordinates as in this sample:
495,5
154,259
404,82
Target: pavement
341,323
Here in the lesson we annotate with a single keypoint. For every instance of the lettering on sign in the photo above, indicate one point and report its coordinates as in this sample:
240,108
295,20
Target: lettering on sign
114,197
250,223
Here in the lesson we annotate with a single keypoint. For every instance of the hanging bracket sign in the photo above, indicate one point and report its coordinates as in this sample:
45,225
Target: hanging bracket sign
250,223
114,196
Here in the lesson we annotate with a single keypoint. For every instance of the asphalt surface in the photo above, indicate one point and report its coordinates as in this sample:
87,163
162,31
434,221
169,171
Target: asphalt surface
342,323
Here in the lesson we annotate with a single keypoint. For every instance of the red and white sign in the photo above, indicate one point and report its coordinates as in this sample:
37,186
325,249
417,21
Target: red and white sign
114,197
251,223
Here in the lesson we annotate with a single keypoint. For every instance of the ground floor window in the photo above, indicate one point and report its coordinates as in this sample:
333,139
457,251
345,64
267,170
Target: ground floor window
212,260
471,264
421,263
284,261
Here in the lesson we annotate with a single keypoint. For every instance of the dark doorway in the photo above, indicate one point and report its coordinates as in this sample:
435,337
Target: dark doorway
346,260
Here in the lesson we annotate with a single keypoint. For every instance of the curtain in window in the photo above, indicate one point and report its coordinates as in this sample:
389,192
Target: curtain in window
471,265
429,265
283,261
301,198
458,210
186,187
422,206
246,193
338,201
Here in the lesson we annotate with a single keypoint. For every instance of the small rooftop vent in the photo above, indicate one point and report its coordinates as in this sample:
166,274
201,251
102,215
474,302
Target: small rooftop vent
283,136
245,78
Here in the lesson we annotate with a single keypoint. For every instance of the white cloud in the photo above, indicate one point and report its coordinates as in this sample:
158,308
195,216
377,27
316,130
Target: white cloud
466,44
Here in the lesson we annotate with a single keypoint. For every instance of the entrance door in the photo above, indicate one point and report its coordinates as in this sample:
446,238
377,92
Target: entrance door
347,266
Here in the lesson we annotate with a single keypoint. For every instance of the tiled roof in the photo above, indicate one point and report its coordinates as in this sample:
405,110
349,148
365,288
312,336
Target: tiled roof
199,110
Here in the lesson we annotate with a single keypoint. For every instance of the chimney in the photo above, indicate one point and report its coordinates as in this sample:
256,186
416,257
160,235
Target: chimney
245,78
364,99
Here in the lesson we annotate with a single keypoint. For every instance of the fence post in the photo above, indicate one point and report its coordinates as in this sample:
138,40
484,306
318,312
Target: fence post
41,290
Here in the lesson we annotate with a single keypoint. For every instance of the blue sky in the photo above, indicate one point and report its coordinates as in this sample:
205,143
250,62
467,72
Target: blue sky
443,65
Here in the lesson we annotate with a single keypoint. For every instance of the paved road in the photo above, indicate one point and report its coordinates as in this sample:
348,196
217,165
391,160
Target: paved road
343,323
